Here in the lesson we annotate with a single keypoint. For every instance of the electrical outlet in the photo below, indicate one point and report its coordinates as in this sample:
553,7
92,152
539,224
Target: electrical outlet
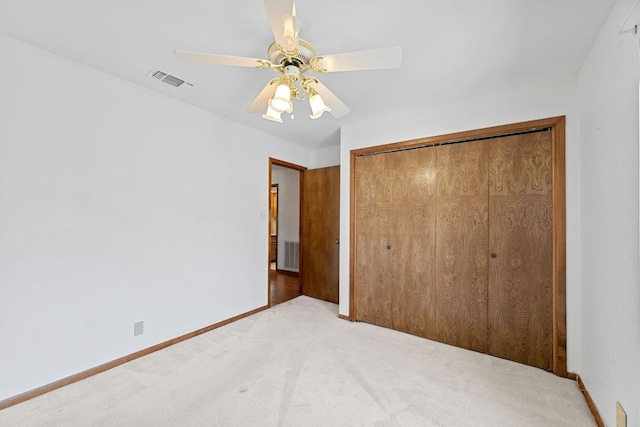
138,328
621,416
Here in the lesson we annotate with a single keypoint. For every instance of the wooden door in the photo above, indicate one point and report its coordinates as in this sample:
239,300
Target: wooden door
373,194
412,241
395,240
521,249
320,233
462,236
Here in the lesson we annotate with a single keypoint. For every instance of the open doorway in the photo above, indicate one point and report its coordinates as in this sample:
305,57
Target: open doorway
285,195
273,227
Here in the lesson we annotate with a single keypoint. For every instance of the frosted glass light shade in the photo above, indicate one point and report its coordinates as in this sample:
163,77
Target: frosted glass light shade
281,101
272,114
317,106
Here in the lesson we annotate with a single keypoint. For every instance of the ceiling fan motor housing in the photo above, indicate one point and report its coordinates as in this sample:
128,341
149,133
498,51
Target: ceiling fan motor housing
292,71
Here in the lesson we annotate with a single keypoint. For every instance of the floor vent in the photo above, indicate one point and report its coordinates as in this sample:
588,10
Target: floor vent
168,79
291,256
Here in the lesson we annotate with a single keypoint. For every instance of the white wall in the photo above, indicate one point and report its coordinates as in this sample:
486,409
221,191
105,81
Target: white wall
288,181
118,205
547,99
324,157
608,105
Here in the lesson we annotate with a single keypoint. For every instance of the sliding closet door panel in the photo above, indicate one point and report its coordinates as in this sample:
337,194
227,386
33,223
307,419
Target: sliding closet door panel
412,241
461,254
521,248
395,240
373,217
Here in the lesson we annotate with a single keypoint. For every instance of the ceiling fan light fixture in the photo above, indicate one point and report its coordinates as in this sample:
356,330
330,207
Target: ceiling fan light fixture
281,101
292,58
272,114
317,106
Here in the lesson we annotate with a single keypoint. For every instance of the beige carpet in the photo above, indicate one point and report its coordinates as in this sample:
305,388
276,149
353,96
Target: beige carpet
297,364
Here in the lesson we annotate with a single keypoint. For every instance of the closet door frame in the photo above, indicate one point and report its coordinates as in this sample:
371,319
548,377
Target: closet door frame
557,127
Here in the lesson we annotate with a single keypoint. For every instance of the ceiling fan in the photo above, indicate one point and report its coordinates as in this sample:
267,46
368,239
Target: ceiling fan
292,58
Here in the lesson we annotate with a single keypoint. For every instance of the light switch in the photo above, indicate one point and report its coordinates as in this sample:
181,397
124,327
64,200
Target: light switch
138,328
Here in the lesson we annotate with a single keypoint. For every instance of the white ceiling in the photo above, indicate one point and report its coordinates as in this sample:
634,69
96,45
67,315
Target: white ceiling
451,49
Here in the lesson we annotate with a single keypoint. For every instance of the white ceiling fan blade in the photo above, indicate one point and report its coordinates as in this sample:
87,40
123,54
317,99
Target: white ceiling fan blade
338,108
259,105
282,16
210,58
373,59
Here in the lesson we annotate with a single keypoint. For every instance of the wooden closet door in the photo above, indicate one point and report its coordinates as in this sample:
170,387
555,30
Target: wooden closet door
396,234
462,245
373,197
413,241
521,248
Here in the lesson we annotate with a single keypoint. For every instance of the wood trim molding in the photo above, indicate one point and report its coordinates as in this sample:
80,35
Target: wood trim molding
109,365
557,126
282,163
464,136
301,242
352,236
559,248
590,402
343,317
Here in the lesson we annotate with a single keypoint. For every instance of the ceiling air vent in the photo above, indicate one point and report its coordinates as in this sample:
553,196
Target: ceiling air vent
168,78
